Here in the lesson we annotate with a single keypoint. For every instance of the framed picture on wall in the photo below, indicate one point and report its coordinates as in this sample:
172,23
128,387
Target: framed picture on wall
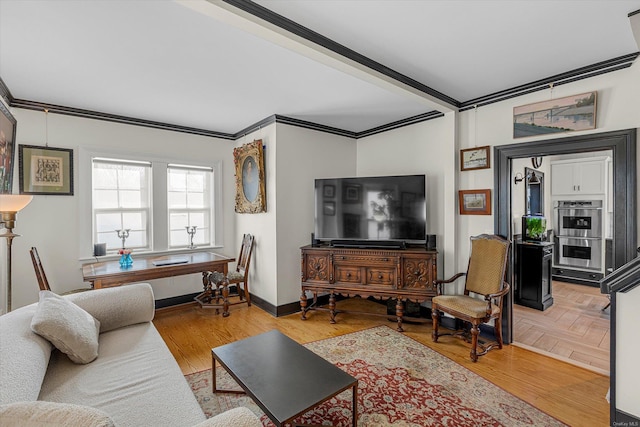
45,170
475,158
7,148
475,202
250,181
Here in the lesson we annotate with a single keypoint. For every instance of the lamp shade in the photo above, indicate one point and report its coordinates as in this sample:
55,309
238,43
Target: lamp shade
14,202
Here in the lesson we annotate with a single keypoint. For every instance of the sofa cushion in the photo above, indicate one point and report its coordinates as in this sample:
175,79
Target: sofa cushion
24,357
71,329
40,413
118,306
135,380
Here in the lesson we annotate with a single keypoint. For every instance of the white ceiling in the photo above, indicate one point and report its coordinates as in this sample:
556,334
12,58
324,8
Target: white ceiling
209,66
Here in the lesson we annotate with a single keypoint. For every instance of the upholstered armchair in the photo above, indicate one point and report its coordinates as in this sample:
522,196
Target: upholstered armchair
483,294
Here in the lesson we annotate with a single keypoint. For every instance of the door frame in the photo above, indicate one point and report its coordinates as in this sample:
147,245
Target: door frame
624,164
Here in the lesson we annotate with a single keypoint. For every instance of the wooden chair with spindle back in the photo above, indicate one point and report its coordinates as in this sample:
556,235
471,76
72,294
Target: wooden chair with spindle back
241,275
43,283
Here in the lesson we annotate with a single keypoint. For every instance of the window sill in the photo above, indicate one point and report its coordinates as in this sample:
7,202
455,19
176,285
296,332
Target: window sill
150,254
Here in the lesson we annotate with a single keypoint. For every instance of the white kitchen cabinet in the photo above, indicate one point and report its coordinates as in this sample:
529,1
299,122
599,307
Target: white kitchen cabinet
583,177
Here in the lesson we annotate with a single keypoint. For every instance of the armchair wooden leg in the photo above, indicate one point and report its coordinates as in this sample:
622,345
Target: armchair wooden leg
498,331
434,330
474,342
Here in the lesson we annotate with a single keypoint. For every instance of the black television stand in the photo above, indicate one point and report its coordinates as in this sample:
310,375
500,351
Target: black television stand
368,244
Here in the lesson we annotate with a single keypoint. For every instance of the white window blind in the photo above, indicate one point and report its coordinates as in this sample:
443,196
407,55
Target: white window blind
189,203
121,200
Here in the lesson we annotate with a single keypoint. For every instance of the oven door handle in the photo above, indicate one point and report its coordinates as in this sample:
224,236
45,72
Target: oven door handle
578,238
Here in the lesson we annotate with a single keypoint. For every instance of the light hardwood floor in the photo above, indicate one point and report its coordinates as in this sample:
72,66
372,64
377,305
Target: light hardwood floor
574,328
574,395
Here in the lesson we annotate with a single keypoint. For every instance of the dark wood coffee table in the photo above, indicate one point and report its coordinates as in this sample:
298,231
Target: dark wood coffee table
284,378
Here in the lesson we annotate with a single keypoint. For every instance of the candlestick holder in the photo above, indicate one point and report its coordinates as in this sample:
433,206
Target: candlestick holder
123,234
191,231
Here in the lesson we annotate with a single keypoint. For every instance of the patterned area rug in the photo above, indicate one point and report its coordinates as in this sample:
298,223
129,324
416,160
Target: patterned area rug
400,383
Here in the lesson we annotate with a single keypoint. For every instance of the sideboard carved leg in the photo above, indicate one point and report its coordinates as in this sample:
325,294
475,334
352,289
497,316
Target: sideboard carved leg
399,314
332,307
303,305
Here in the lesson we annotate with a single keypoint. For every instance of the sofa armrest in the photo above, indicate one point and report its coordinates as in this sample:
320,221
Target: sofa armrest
118,306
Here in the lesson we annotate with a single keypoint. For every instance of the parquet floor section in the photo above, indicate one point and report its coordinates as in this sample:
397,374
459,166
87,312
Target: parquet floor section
574,395
574,328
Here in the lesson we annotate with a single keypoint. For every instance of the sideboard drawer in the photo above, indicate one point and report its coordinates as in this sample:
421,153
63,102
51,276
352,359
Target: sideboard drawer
381,276
348,274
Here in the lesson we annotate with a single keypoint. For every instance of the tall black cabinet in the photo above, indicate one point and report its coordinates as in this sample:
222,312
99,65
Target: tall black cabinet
533,266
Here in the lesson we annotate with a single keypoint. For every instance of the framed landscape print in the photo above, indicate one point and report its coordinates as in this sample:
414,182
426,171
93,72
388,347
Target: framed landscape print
7,148
475,158
46,170
250,182
571,113
475,202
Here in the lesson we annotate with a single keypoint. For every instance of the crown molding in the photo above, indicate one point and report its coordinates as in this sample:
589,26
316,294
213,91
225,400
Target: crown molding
97,115
581,73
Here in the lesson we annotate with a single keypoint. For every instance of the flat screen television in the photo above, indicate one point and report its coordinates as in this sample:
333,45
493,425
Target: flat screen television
371,210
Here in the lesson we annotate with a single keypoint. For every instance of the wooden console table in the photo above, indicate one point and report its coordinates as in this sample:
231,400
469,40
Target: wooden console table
405,274
108,274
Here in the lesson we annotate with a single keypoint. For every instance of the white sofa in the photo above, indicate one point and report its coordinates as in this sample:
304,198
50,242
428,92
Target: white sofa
134,380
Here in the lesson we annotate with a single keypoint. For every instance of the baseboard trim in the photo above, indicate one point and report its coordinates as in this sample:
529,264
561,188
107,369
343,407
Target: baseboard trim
175,301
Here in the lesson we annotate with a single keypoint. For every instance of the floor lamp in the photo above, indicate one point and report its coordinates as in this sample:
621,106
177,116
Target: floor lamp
10,204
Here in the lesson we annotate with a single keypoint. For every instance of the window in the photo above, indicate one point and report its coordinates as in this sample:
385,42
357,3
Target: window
189,204
154,200
121,201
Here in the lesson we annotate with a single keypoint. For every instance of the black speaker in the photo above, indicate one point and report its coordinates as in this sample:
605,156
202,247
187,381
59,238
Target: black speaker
431,242
100,249
314,241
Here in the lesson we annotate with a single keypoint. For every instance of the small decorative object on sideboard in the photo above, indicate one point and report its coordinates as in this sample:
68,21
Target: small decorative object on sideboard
123,235
125,258
191,231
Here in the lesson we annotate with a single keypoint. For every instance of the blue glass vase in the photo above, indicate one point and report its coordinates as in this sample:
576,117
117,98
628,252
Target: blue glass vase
125,260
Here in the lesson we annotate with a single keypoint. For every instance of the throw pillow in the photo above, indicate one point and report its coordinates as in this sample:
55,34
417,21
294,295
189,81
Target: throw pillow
40,413
70,329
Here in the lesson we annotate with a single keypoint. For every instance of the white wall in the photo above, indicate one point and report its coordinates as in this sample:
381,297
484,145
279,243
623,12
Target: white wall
50,223
303,156
263,272
627,348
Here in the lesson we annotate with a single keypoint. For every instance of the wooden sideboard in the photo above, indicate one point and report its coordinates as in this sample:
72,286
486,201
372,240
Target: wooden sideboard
405,274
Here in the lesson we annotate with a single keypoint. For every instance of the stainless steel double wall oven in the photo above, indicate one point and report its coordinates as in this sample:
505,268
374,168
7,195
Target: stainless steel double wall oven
578,234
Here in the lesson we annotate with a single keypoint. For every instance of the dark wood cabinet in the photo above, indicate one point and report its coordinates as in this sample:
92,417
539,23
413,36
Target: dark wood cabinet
404,274
533,264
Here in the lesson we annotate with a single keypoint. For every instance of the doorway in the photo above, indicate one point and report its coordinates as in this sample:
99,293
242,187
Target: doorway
564,317
623,146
